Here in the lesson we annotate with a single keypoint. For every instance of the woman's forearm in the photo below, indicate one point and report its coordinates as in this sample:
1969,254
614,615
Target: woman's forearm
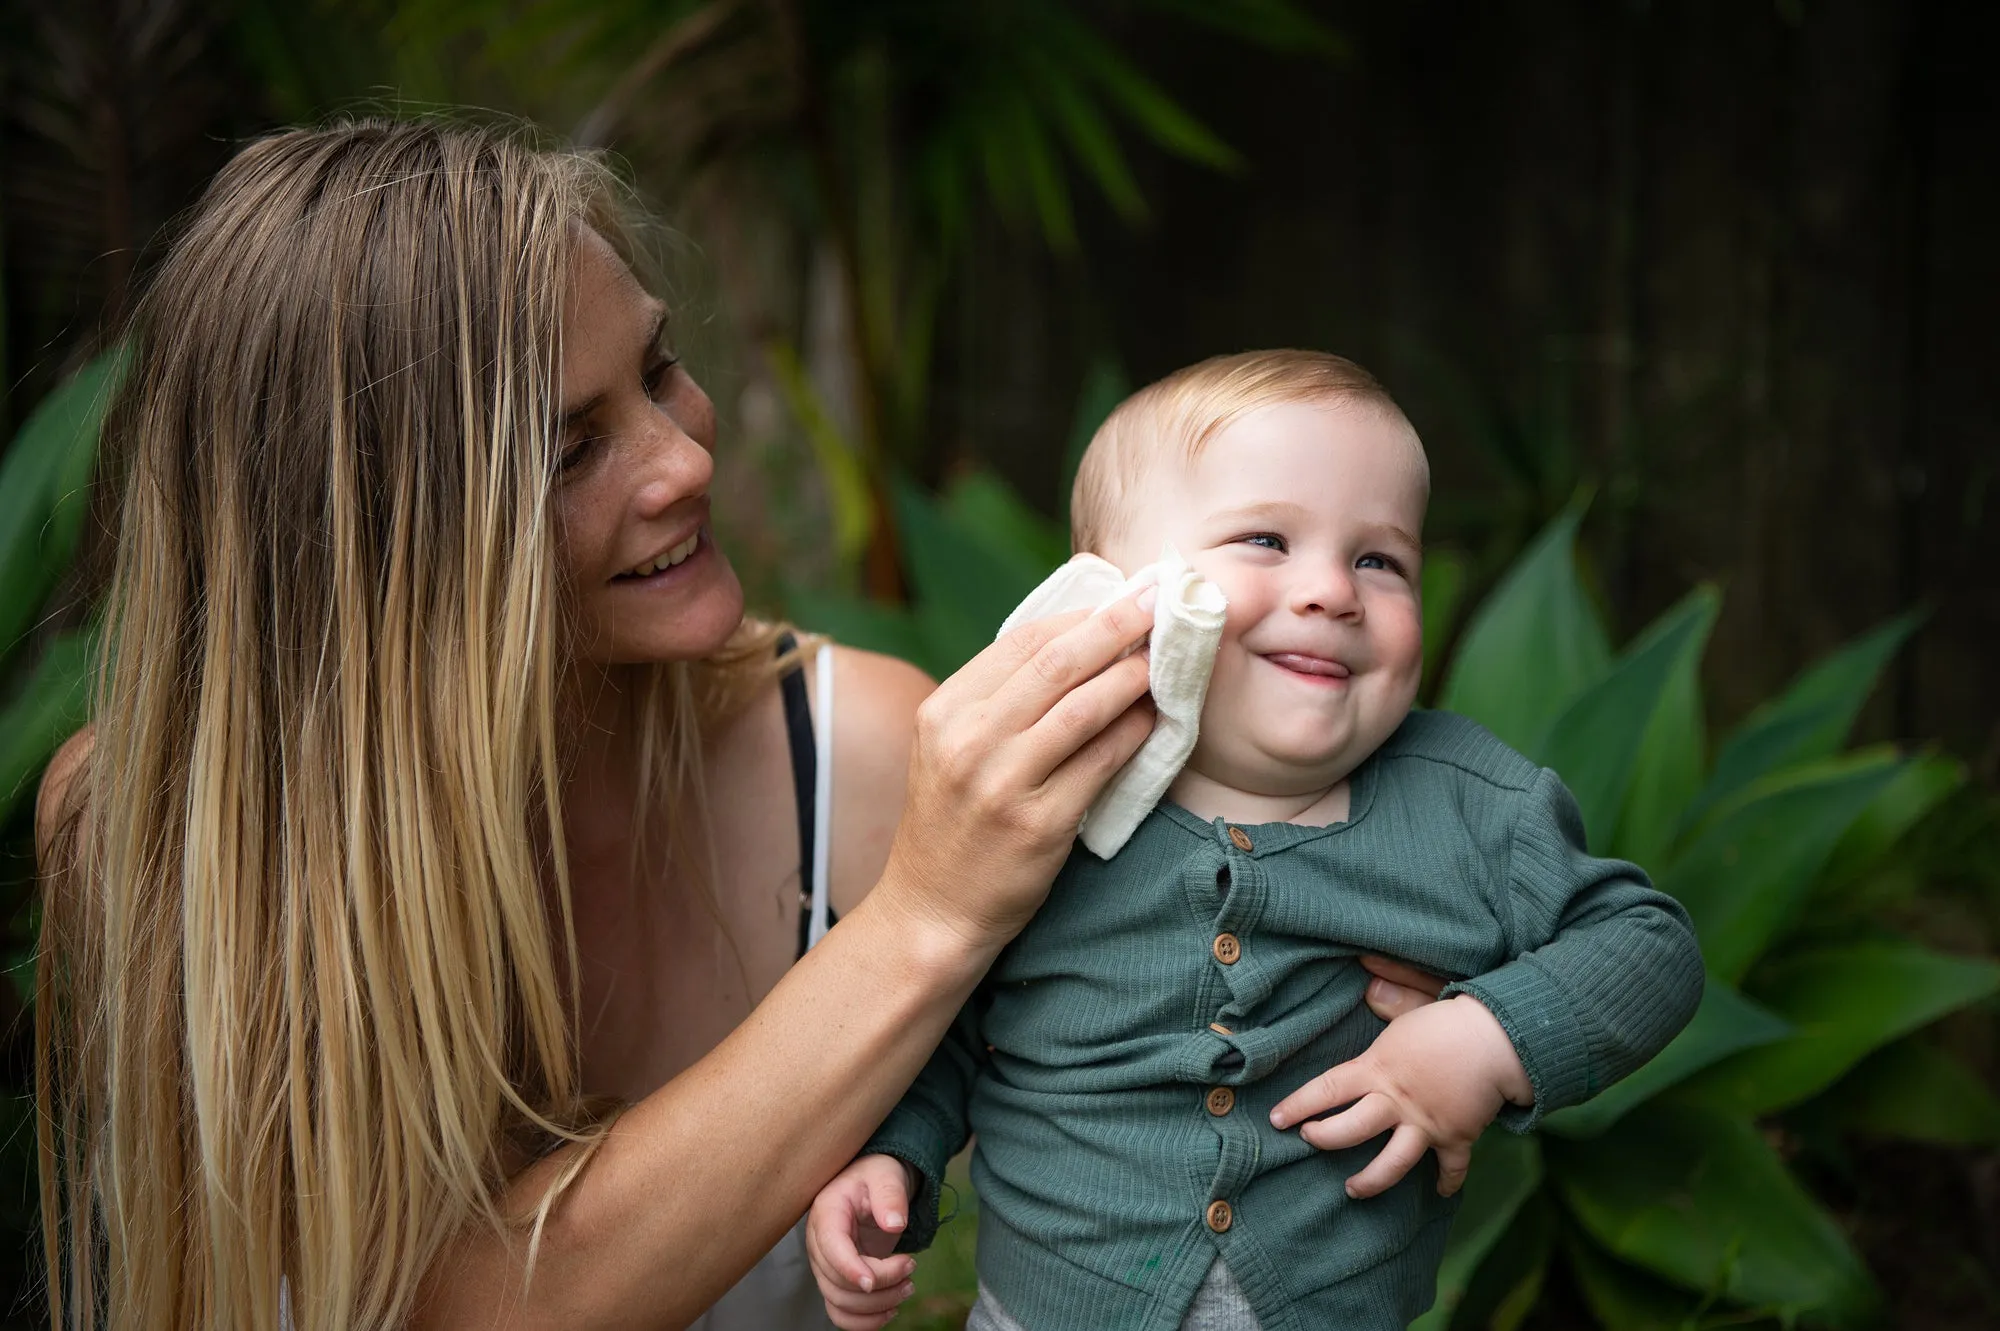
699,1179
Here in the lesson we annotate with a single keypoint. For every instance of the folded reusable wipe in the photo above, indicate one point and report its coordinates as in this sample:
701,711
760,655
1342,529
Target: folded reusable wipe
1187,627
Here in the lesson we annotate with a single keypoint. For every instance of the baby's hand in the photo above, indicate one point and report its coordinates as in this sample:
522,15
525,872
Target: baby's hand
1437,1076
851,1232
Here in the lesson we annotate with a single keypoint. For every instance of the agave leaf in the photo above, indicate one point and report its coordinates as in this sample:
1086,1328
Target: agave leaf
966,583
1746,874
1920,786
43,478
856,622
1624,1298
1534,645
1595,743
1726,1023
1104,387
1809,720
1671,764
1916,1092
1506,1170
1700,1198
981,502
1843,1003
1442,591
50,707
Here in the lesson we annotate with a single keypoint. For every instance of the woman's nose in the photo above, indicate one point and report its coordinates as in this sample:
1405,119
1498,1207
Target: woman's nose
675,466
1329,590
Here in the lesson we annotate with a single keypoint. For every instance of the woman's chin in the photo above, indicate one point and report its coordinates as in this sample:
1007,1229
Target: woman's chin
695,629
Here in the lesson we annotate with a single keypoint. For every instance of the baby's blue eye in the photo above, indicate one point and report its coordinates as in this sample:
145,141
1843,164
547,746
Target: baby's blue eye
1378,561
1269,540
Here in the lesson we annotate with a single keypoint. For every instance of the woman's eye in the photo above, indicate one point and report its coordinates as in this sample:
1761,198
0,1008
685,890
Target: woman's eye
575,455
656,374
1268,540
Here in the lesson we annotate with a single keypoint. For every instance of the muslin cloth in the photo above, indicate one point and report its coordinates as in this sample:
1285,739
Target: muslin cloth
1187,627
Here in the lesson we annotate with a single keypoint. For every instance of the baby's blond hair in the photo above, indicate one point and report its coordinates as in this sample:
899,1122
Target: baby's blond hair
1177,416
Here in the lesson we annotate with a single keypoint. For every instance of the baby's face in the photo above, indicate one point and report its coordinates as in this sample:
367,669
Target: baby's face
1307,516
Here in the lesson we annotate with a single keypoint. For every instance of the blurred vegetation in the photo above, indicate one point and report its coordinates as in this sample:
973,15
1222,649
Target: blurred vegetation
849,167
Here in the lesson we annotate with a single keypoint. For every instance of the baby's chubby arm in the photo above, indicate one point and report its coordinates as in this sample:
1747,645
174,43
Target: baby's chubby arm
1433,1079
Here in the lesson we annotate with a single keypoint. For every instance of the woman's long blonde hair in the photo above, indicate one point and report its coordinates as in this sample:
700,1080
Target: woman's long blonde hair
304,982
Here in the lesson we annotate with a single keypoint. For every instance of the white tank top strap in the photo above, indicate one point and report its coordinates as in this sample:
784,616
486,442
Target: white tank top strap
822,898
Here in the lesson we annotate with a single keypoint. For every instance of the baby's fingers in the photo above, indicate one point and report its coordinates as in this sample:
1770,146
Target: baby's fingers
853,1311
1398,1158
1375,1115
1453,1162
838,1262
1330,1089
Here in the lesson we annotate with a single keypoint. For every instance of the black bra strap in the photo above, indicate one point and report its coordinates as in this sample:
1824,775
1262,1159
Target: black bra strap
805,776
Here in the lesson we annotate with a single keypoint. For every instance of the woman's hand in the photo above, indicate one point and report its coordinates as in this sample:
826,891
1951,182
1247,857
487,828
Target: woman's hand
1009,753
1398,987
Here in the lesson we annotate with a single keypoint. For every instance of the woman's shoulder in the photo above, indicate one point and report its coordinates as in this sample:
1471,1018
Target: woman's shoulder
61,798
875,700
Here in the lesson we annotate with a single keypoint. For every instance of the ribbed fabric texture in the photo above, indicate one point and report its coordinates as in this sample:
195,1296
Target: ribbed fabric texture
1085,1061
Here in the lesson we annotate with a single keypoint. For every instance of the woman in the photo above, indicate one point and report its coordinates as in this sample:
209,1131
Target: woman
422,909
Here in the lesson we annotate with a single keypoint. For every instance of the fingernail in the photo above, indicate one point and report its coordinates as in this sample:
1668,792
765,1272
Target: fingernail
893,1220
1148,598
1349,1189
1277,1119
868,1284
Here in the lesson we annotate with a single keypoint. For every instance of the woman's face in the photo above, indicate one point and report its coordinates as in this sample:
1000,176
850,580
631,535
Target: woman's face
631,493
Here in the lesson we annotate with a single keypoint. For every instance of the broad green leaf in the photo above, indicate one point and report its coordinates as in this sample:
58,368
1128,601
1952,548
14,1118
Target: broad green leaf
1809,720
1534,645
1672,761
1922,783
50,707
855,622
1726,1023
1104,387
1624,1298
1442,591
1506,1170
966,584
1843,1003
1700,1198
1917,1092
1594,744
44,476
981,502
840,463
1747,872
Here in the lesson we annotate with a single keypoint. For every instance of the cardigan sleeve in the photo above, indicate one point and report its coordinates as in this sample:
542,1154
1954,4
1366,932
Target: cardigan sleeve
1606,969
929,1124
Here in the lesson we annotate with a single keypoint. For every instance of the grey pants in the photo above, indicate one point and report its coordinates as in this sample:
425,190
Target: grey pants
1218,1305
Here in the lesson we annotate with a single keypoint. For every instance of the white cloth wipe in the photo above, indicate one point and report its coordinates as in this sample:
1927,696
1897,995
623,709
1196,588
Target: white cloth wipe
1187,628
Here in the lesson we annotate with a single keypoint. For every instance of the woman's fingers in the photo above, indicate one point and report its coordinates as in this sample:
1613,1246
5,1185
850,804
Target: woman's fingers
1113,714
982,676
1065,661
1406,1147
1422,983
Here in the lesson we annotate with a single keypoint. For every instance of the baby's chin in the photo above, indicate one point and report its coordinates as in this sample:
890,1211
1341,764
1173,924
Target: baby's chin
1272,775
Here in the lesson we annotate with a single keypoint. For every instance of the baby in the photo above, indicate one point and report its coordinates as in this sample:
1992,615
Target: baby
1146,1067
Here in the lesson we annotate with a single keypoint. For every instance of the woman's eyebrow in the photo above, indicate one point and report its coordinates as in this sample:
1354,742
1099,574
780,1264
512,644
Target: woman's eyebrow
576,415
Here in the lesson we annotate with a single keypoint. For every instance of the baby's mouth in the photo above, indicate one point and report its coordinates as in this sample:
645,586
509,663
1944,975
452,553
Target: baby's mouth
1303,664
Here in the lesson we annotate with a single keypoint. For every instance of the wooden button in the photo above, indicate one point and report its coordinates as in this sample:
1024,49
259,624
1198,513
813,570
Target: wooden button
1227,949
1221,1100
1240,839
1220,1217
1219,1028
